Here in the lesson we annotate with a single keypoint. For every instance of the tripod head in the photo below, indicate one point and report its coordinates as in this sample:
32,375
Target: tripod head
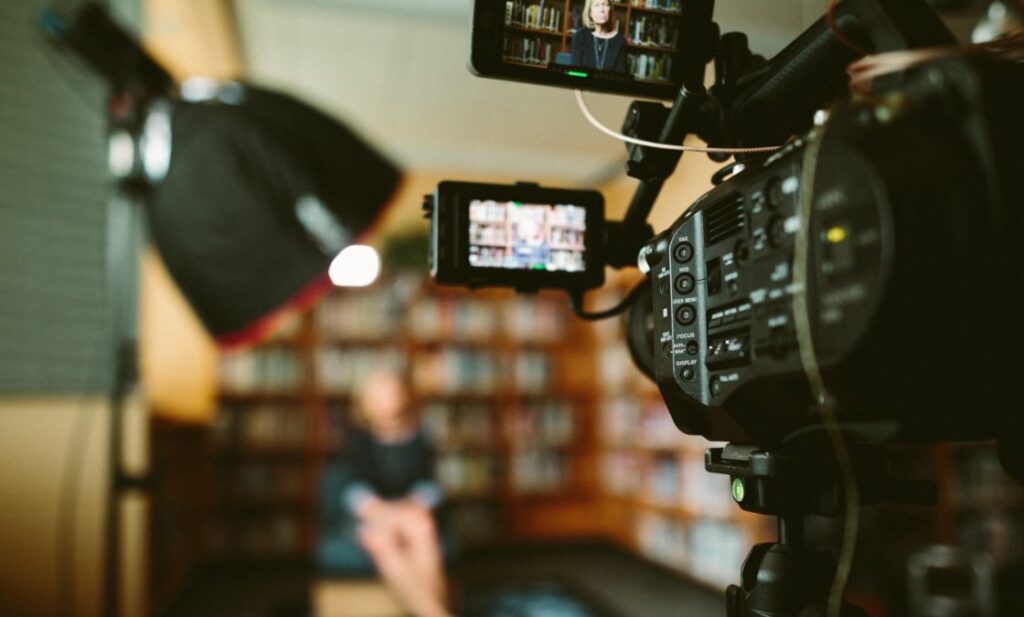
790,578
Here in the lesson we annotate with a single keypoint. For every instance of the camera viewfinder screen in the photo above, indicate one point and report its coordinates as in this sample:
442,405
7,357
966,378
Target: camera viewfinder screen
634,41
521,236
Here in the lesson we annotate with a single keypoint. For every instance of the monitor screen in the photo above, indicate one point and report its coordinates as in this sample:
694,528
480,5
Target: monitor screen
514,235
636,41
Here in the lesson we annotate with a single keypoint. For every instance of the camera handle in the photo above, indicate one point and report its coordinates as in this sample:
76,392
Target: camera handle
788,578
652,166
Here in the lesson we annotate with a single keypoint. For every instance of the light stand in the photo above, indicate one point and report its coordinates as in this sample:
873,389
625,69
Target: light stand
124,241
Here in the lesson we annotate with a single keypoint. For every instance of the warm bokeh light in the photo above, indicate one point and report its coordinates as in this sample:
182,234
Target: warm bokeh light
356,266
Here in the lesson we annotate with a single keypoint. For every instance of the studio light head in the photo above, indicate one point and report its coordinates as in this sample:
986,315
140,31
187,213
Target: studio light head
250,194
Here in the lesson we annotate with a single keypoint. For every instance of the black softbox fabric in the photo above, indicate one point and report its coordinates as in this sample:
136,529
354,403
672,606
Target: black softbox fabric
226,219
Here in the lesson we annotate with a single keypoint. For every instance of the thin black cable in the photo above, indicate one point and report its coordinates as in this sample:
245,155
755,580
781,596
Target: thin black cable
576,302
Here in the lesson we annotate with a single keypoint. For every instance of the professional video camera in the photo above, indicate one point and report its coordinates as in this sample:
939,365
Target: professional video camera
852,288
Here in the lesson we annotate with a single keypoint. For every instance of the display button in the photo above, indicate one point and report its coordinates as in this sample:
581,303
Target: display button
686,314
687,374
683,252
684,283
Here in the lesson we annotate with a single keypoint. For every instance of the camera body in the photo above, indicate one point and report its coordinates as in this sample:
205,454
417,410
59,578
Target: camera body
910,273
521,236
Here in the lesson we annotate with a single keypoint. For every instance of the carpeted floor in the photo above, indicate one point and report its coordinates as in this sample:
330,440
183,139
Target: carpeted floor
565,580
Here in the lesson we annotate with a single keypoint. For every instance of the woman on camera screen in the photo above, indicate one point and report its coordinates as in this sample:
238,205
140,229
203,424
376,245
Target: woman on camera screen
599,44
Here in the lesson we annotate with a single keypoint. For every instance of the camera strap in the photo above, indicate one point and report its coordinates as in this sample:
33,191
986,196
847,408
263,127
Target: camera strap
812,370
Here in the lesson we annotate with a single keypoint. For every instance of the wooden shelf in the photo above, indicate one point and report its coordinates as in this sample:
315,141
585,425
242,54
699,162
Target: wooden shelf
262,452
250,396
651,47
321,406
657,11
517,28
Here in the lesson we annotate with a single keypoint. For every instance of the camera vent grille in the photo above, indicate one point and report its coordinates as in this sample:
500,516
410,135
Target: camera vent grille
724,219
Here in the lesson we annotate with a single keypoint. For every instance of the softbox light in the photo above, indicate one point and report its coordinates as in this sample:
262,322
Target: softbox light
261,194
249,193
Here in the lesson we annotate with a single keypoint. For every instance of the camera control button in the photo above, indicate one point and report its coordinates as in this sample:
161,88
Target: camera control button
776,196
715,386
684,283
683,252
687,374
692,348
686,314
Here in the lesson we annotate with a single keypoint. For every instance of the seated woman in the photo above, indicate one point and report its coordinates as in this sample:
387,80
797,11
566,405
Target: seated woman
390,495
599,44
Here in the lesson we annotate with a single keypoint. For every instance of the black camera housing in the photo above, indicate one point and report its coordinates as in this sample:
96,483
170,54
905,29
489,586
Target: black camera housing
911,274
448,209
697,39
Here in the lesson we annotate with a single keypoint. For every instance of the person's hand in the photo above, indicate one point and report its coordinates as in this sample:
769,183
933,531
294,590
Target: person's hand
372,509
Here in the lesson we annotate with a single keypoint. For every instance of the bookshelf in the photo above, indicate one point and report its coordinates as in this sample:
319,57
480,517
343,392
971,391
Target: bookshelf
502,383
538,30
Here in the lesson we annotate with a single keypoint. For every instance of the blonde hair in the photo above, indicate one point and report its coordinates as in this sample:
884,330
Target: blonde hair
588,21
360,414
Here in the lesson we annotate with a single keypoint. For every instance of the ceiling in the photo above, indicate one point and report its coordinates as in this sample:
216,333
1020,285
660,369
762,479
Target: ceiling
396,71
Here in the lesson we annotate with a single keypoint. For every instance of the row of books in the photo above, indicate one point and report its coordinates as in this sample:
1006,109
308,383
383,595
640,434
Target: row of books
661,5
568,216
519,320
544,423
263,426
533,372
372,314
260,481
543,15
655,67
687,484
436,319
342,371
562,258
460,473
535,320
619,471
449,423
668,481
528,50
628,421
538,470
712,551
654,30
488,233
566,237
456,371
273,535
488,211
262,370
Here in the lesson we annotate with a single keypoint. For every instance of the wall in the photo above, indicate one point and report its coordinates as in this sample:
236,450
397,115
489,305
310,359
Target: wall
52,487
55,360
